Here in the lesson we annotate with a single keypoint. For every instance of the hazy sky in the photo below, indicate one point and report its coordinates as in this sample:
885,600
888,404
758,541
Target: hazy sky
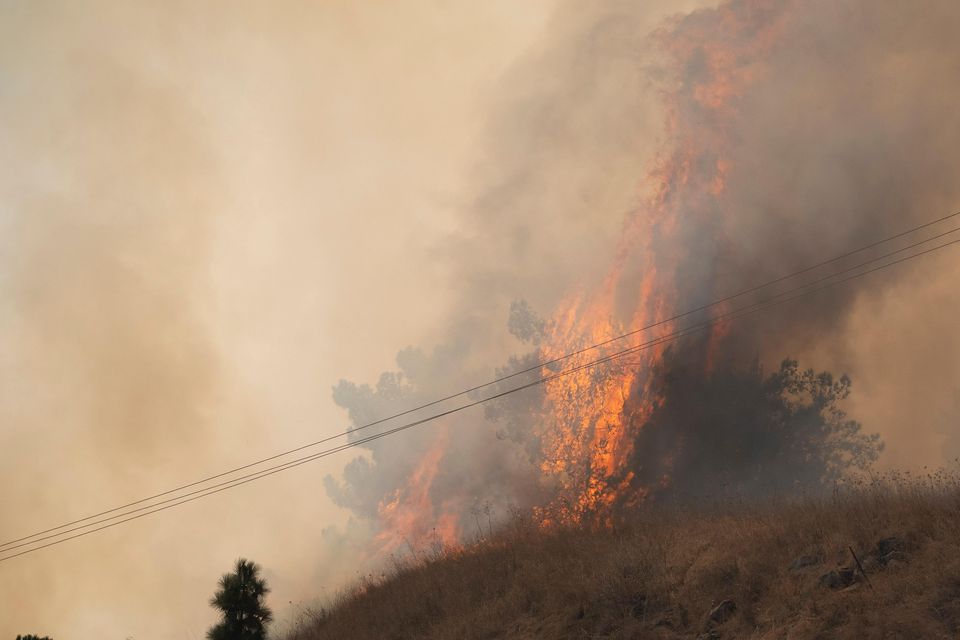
212,212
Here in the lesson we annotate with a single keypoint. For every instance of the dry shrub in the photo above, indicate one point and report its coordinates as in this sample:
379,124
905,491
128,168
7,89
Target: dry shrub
659,572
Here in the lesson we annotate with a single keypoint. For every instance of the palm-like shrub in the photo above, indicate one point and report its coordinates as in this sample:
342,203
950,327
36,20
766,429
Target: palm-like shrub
240,601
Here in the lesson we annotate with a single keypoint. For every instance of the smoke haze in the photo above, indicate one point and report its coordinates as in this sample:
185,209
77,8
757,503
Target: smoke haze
202,212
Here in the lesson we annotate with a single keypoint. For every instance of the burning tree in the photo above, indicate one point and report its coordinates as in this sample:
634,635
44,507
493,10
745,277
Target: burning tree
734,194
748,432
609,439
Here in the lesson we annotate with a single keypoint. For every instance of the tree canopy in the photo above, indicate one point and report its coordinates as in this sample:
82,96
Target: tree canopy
751,432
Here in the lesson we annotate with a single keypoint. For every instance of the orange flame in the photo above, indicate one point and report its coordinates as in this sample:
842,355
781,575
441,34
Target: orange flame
409,516
592,416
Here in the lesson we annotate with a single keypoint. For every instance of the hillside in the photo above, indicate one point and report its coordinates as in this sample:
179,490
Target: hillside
727,569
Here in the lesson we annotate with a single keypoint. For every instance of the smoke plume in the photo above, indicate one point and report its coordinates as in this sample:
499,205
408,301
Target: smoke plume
789,133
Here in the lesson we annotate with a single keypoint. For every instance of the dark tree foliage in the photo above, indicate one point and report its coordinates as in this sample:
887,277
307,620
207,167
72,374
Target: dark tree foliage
743,432
524,323
31,636
240,600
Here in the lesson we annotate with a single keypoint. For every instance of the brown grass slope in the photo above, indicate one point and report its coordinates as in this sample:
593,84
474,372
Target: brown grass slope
661,574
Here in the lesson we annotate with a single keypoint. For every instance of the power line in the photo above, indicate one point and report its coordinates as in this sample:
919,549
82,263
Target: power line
504,378
512,375
775,300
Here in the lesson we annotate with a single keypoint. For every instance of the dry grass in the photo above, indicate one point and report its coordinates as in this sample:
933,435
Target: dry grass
659,575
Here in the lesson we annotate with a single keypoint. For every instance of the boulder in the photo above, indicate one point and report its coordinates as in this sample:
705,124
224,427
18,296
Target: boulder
838,578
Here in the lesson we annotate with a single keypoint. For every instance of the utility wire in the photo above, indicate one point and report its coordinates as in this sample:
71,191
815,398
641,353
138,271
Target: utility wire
726,317
498,380
505,377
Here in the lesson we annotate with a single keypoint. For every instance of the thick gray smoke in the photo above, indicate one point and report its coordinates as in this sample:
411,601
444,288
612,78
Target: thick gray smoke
794,131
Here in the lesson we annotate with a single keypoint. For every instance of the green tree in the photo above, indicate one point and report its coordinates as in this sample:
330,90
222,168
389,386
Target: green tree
240,601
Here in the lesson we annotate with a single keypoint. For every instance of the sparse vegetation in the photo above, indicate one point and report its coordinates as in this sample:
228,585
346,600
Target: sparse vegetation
780,568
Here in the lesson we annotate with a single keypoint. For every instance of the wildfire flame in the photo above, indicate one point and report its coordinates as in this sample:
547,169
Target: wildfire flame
589,419
409,515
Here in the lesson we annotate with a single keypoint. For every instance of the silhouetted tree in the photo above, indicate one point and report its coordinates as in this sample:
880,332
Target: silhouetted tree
31,636
240,600
750,432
